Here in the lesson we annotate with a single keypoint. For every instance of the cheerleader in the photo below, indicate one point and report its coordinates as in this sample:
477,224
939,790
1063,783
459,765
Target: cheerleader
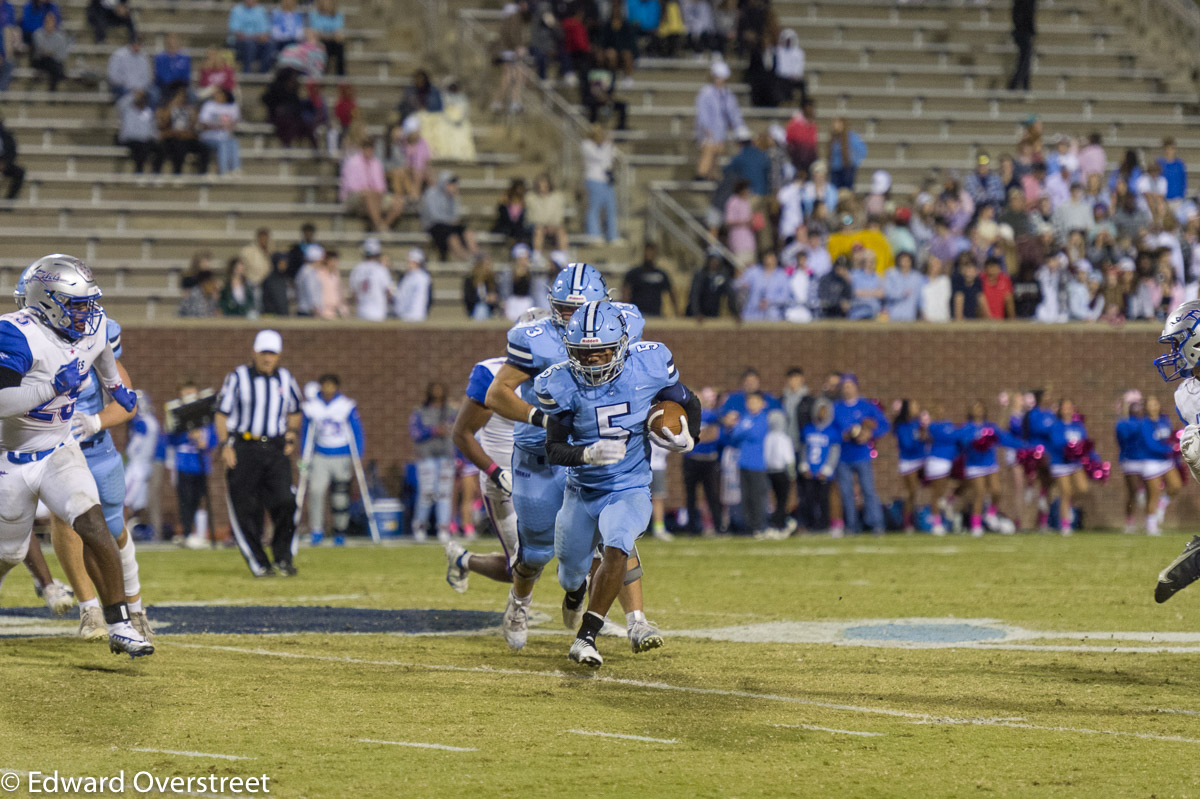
979,440
912,443
1130,454
1067,444
943,438
1158,438
1037,427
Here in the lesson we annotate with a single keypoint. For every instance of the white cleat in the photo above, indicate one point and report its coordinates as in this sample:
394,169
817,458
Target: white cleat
644,636
58,598
91,624
124,640
142,624
456,575
516,622
662,535
584,653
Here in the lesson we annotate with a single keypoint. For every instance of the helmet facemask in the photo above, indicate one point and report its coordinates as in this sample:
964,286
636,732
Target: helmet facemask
599,373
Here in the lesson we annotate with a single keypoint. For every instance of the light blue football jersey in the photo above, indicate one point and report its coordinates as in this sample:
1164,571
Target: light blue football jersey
91,396
534,347
617,409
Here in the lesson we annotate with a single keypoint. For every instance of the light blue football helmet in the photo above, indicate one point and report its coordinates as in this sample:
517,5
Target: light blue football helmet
597,327
574,286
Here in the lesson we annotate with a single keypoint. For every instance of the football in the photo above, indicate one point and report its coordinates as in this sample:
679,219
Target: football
670,415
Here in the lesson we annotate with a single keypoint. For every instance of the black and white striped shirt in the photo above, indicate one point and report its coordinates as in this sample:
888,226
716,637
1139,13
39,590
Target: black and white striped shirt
259,404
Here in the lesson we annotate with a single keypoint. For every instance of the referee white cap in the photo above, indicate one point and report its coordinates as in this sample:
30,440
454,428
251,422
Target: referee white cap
268,341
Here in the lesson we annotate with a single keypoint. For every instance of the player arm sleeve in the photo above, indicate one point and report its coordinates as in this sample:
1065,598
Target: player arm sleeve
18,400
678,392
558,450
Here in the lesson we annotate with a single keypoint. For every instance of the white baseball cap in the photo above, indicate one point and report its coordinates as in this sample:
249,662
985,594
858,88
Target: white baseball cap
416,254
521,250
372,246
720,70
314,253
268,341
412,124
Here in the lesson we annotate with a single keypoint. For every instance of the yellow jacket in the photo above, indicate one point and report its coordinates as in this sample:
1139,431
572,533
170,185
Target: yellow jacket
843,244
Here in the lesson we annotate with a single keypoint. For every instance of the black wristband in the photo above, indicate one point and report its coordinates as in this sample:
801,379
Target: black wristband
537,418
115,614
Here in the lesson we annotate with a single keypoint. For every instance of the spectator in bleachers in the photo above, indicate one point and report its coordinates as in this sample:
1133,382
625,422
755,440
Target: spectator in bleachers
308,285
937,292
767,289
177,121
237,295
371,283
139,131
307,57
1092,158
711,294
422,95
600,94
997,290
717,117
363,189
415,291
481,294
1023,12
985,186
967,289
845,152
545,37
49,52
701,27
330,24
286,109
172,67
576,47
670,34
516,284
201,299
250,32
216,71
868,288
618,41
105,14
510,215
1058,183
9,167
598,154
739,220
645,16
10,31
6,67
512,52
645,285
287,25
1126,173
331,297
802,135
789,68
1174,170
899,234
547,213
276,289
296,253
33,15
129,70
442,218
256,257
902,285
835,292
218,119
409,162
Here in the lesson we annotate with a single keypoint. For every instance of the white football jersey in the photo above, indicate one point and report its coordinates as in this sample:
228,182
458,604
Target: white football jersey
143,438
1187,400
496,437
331,422
32,348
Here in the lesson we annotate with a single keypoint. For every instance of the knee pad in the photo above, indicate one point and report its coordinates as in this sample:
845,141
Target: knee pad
527,571
339,498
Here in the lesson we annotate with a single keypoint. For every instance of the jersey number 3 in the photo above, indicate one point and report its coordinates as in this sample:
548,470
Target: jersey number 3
606,415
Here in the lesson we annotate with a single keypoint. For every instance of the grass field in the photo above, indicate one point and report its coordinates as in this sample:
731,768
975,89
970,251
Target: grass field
788,671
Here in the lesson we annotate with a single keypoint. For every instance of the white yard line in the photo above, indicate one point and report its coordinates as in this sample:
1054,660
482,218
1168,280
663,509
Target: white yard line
190,754
1177,712
272,601
418,745
625,737
925,718
815,728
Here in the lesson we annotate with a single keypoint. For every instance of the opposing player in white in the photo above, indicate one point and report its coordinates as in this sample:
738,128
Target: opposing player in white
1182,334
139,459
46,352
486,440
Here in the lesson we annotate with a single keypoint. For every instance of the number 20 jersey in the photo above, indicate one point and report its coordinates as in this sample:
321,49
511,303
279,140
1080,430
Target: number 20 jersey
31,349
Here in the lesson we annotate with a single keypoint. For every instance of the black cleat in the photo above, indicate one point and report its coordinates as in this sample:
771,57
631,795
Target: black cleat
1182,572
285,569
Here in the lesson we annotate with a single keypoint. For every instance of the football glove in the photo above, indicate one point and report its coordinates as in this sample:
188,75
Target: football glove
85,425
502,478
67,378
674,442
124,397
604,452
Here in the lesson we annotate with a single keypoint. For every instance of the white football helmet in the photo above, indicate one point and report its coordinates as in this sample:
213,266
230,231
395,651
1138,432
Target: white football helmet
1181,334
60,290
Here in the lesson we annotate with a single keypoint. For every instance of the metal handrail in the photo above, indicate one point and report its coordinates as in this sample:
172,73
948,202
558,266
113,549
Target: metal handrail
665,210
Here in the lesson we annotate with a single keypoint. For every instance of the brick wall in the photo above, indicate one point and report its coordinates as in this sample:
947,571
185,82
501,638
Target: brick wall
386,369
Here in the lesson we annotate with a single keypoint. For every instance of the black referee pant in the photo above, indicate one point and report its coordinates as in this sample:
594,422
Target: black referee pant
261,481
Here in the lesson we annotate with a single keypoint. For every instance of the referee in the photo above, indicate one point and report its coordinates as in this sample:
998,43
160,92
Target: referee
258,418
